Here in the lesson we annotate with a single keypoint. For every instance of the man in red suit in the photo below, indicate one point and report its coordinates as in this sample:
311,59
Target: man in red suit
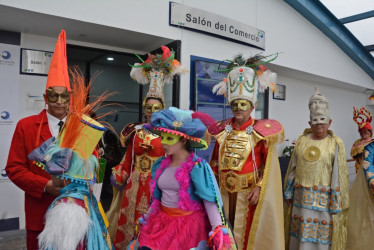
29,134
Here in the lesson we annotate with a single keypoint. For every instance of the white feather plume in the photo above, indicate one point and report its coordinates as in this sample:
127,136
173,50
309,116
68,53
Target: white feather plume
220,88
66,226
179,70
267,79
139,75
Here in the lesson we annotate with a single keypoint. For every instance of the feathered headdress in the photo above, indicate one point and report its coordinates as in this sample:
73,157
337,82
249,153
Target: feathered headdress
362,117
245,78
157,70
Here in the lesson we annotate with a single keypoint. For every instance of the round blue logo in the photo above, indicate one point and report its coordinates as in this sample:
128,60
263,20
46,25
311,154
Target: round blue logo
5,55
3,173
5,115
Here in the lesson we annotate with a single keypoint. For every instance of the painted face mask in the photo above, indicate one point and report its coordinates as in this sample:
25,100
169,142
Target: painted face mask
169,139
152,108
243,105
53,96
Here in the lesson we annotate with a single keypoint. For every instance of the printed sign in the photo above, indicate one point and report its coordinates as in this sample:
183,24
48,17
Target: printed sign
186,17
35,62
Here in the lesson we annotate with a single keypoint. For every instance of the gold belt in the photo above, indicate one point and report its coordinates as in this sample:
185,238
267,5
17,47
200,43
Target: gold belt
233,182
143,163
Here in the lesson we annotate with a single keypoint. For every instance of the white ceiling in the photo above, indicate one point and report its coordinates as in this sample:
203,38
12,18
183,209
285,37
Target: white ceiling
78,32
362,29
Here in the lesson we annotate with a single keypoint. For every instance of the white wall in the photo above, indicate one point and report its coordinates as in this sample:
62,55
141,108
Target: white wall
294,112
304,46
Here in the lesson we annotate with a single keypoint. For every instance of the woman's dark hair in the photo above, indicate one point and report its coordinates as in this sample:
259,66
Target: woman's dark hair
187,146
155,98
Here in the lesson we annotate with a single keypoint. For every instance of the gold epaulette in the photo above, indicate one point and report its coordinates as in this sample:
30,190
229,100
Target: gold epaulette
359,145
127,132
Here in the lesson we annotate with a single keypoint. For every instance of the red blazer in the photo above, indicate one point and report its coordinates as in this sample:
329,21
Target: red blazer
25,174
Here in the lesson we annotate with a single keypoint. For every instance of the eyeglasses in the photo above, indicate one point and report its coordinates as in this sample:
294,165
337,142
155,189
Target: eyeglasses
53,96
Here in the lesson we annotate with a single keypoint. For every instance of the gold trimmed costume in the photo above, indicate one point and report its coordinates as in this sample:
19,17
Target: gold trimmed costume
244,158
133,173
361,212
362,117
317,182
358,150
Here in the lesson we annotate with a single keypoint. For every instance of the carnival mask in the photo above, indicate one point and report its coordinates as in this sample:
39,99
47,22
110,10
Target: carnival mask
152,108
54,97
169,139
243,105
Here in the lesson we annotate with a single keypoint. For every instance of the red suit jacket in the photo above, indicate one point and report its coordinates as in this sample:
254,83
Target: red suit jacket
25,174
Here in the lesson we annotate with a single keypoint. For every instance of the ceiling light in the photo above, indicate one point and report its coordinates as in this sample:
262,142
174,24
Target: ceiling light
110,58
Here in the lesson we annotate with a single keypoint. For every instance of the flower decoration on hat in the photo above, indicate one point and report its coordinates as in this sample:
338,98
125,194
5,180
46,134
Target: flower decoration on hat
194,126
157,70
246,77
362,117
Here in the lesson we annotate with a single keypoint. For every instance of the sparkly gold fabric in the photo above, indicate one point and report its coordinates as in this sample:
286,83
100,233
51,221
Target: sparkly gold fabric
361,215
357,148
235,148
319,172
308,172
143,163
312,153
233,182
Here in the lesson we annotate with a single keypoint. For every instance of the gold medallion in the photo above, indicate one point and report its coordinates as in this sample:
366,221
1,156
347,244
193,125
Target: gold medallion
312,153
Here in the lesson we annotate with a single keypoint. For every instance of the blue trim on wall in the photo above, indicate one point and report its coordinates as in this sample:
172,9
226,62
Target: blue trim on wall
316,13
357,17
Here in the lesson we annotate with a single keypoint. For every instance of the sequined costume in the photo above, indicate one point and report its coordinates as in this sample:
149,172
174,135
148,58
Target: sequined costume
133,173
362,117
243,158
317,181
357,151
361,212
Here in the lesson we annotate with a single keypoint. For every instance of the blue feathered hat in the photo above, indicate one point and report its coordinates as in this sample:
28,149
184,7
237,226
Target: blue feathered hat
185,123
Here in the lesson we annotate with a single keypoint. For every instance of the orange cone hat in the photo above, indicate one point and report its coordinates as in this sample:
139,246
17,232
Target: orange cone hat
58,71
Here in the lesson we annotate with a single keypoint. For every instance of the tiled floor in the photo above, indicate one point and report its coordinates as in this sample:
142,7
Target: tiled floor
13,240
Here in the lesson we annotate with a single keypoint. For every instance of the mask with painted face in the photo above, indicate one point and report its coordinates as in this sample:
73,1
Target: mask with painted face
243,105
152,108
169,139
319,109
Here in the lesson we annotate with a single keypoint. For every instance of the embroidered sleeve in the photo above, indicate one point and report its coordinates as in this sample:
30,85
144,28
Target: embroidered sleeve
368,165
122,171
214,159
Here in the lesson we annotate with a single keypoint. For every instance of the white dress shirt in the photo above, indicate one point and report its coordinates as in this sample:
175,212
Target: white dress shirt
53,124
